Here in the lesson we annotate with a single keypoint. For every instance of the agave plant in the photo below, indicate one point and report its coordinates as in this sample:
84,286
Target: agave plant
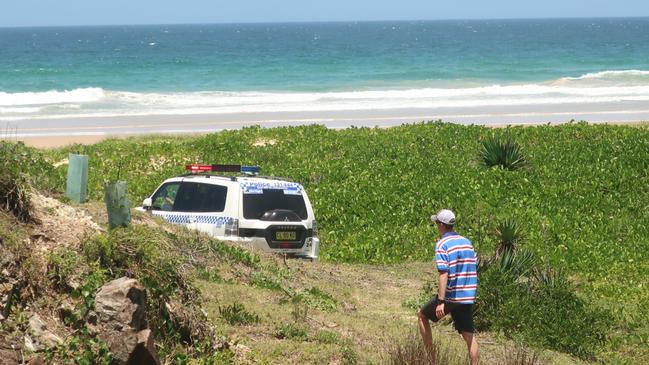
517,264
505,153
549,277
510,234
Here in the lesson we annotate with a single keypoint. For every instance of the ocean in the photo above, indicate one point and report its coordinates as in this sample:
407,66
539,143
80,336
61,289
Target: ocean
63,72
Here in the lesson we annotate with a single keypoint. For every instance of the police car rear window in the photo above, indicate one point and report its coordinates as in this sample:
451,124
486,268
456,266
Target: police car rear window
196,197
255,205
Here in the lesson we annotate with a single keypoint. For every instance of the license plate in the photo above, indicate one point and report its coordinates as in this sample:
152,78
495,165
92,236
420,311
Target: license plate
286,236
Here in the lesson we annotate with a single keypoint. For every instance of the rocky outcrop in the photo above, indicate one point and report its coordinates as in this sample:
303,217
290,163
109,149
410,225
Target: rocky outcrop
120,321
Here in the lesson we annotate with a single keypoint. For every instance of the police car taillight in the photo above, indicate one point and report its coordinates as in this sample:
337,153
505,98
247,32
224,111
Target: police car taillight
196,169
314,228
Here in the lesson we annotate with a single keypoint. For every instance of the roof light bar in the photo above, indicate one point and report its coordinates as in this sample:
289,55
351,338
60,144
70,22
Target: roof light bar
249,170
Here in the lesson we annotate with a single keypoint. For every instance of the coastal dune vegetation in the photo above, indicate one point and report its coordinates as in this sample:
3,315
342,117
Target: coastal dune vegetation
560,222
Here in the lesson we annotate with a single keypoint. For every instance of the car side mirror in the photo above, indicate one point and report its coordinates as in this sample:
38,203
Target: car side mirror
146,204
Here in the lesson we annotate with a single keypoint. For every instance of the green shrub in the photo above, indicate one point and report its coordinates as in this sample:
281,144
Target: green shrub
106,251
547,313
316,298
504,153
21,169
92,281
350,356
80,349
292,331
164,264
210,275
154,257
262,279
236,314
14,182
64,265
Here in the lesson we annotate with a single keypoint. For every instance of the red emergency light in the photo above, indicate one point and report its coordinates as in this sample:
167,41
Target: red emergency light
197,169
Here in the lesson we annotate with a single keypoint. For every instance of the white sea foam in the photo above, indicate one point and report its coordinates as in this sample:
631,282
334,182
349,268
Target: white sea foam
610,74
588,89
84,95
18,110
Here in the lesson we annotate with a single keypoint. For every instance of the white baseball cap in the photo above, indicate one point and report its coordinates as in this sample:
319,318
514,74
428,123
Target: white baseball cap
445,216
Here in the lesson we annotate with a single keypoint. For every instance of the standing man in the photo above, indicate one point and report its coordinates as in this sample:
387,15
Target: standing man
458,283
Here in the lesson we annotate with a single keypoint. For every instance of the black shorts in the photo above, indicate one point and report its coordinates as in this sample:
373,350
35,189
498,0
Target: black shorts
462,314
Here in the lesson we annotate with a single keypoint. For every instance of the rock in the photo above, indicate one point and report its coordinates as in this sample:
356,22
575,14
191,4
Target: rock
120,321
122,303
9,353
29,344
144,352
42,338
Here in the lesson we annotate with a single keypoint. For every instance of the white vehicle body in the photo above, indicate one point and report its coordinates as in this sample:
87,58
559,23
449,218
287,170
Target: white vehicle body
270,214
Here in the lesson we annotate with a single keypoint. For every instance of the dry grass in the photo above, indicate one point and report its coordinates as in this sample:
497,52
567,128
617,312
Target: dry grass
368,325
413,352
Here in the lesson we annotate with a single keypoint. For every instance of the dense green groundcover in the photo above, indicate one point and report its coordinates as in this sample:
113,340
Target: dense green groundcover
582,197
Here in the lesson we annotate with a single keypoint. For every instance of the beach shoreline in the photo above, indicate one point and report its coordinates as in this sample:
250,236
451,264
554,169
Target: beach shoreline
52,132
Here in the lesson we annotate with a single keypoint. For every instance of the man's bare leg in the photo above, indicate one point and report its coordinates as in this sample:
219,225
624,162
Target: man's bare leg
424,330
472,346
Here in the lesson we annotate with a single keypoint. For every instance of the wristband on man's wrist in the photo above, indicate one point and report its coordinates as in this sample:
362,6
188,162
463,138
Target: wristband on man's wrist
440,301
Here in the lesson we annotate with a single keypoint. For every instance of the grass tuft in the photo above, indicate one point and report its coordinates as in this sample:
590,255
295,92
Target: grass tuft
412,352
236,314
522,356
14,183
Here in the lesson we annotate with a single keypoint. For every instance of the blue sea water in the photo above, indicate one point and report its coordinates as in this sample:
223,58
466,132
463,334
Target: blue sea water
230,68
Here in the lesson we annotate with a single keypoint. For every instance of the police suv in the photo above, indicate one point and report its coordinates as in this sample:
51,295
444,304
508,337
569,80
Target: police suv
268,213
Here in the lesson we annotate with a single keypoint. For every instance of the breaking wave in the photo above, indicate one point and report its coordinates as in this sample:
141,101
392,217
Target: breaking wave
85,95
590,88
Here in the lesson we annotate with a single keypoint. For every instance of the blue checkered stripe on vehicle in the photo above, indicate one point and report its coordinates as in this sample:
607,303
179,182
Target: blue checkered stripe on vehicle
257,187
186,219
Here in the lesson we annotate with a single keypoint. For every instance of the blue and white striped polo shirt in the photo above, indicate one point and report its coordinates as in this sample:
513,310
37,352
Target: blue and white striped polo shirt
454,254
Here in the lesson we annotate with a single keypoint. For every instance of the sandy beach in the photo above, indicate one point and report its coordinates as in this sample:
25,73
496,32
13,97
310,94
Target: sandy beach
52,132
